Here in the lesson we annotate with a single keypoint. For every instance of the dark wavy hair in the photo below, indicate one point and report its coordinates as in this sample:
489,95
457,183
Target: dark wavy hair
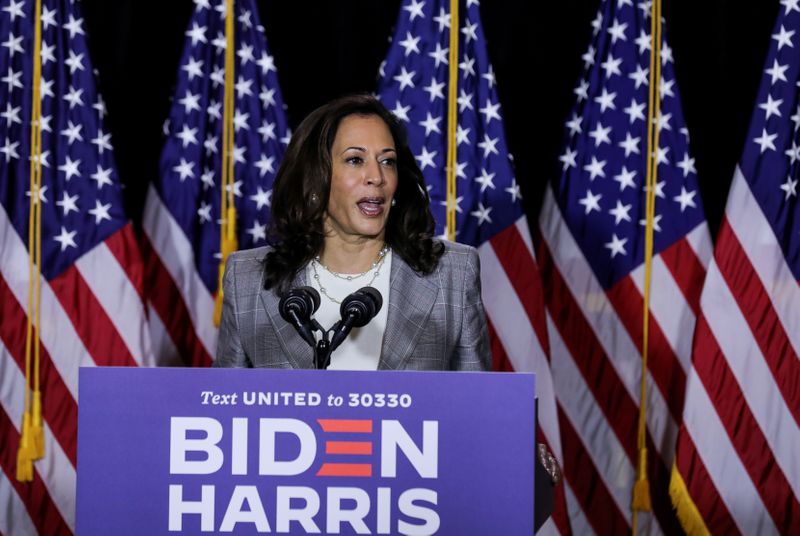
302,185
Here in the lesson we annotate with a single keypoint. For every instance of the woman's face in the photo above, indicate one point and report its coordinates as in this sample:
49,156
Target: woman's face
363,178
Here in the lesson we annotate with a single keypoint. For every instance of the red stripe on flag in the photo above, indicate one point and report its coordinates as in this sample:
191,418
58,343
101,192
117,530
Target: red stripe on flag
500,360
92,324
167,300
767,329
125,248
608,391
43,511
662,362
701,488
585,480
687,271
743,429
59,408
523,274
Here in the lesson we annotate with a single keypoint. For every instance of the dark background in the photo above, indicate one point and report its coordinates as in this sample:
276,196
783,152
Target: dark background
325,48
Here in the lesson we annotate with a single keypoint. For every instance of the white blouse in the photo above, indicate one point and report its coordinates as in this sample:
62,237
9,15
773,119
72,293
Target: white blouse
361,349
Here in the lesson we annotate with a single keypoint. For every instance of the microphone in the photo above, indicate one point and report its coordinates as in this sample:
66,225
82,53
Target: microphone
357,310
296,307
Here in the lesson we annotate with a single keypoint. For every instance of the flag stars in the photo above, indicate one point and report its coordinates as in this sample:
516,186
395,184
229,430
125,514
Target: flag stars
791,5
244,18
102,177
784,38
588,57
262,198
789,188
75,62
102,141
766,141
777,71
656,222
771,107
243,87
190,102
640,76
686,198
621,212
100,212
582,91
482,214
197,34
12,79
464,101
66,239
72,132
568,159
595,168
402,111
207,178
435,90
666,54
486,180
431,124
600,134
245,54
188,136
42,193
470,32
204,212
455,204
630,144
265,164
11,115
70,168
184,169
46,88
14,45
267,63
237,188
665,88
425,159
574,125
439,55
514,191
489,145
625,178
687,165
258,231
410,44
643,42
617,31
467,66
48,17
590,202
489,76
68,203
10,150
793,152
267,131
73,97
606,100
442,19
490,111
240,120
193,68
616,246
217,77
14,9
74,26
47,53
405,78
611,66
462,135
414,10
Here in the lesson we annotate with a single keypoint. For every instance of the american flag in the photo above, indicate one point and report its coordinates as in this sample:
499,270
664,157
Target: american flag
414,86
182,211
92,312
737,453
591,256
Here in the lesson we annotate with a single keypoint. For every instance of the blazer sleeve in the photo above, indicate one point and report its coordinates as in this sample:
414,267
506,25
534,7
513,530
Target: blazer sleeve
230,352
472,350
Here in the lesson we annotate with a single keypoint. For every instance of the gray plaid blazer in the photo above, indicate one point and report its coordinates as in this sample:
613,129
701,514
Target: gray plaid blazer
435,322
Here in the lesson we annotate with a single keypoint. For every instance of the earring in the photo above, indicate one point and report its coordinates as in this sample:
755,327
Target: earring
314,198
394,202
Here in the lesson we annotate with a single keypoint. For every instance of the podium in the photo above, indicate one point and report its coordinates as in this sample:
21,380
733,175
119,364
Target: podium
212,451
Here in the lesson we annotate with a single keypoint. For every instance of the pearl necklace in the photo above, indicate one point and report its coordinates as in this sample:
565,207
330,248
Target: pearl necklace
376,265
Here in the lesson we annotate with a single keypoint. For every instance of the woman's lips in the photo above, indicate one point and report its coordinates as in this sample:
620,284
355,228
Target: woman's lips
371,206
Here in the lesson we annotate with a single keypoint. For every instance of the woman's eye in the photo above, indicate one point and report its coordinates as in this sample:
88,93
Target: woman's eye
389,162
354,160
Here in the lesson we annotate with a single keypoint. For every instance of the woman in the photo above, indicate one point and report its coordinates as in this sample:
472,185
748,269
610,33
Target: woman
350,209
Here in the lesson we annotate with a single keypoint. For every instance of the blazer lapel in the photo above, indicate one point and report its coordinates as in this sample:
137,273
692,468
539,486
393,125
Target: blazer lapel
411,299
297,351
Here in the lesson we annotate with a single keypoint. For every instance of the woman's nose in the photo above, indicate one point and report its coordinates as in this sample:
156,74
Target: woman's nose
375,173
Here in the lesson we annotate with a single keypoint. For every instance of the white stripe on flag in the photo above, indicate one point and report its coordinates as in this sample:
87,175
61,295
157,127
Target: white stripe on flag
748,365
57,330
600,442
14,517
666,301
160,340
55,469
577,521
759,243
116,294
519,339
721,461
525,232
601,316
175,252
700,240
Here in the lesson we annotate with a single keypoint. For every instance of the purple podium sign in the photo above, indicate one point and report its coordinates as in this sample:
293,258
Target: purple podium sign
196,451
